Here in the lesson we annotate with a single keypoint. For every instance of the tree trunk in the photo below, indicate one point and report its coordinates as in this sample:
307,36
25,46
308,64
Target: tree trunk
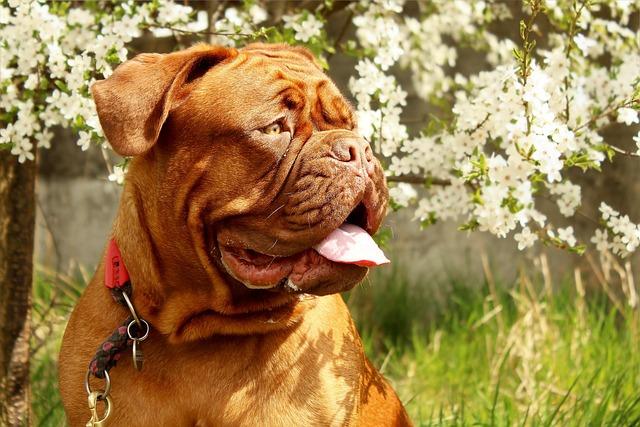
17,224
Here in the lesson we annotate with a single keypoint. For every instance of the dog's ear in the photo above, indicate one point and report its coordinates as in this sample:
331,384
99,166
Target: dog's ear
134,102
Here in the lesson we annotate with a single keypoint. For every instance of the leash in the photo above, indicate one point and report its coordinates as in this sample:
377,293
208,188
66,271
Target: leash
129,333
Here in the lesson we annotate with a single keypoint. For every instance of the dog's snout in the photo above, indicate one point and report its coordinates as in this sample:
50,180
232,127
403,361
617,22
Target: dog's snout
346,150
355,152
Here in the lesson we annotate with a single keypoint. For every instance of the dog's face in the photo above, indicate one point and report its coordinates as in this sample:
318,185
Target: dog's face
254,158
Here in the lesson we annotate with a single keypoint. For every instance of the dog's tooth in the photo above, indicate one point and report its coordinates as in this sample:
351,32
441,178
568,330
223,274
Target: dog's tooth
292,286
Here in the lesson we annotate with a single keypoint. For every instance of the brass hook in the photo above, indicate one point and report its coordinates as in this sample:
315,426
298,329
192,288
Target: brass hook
95,420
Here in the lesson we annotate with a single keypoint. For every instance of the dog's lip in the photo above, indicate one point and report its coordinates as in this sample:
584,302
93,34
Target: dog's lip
360,215
270,271
280,273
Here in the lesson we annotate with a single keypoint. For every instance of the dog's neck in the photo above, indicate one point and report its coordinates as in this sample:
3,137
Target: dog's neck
175,287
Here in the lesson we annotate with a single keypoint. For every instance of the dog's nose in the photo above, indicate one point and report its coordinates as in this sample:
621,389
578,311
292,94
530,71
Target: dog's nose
355,152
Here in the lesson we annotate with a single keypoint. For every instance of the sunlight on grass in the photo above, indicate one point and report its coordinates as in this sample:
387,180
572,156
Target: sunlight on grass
518,356
458,353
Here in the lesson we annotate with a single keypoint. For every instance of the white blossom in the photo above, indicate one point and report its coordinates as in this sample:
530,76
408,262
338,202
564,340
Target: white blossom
625,233
403,194
62,53
118,174
566,235
601,240
568,197
628,116
241,21
306,26
526,238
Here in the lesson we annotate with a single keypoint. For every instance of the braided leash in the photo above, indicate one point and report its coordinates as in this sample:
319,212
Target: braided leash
129,333
111,349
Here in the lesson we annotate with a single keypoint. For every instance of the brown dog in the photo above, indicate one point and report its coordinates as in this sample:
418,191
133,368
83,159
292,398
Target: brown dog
237,154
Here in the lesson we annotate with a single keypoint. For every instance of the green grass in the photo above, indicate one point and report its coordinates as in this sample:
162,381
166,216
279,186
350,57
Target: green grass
54,296
456,353
527,359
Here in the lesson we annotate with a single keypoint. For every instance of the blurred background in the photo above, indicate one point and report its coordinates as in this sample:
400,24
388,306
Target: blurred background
468,328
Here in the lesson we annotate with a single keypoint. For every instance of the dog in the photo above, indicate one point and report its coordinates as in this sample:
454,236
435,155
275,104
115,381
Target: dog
243,161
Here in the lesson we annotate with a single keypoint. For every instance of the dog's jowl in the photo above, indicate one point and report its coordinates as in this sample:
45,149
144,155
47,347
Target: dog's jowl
248,207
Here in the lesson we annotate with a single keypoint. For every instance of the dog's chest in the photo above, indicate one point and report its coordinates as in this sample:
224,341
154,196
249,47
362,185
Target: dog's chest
308,381
307,378
290,396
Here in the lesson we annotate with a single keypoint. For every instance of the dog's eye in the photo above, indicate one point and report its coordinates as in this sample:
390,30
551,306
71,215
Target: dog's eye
273,129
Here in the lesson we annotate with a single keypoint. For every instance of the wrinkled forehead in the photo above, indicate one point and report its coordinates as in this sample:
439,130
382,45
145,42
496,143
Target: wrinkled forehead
281,62
279,77
298,58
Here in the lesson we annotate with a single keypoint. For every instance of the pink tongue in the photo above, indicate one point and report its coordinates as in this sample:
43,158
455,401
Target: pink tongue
350,244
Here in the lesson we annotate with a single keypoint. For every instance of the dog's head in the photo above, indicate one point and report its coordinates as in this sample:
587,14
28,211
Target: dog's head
243,161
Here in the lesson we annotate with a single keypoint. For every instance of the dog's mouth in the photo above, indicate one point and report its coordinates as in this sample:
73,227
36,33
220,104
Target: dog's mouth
341,256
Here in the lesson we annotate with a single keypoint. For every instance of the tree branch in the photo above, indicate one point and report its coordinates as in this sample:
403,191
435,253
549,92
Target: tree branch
606,113
621,151
342,33
571,34
198,33
419,179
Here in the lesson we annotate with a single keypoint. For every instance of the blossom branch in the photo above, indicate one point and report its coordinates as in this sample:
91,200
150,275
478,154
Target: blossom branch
570,43
200,32
524,55
527,44
607,112
419,180
343,32
479,125
621,151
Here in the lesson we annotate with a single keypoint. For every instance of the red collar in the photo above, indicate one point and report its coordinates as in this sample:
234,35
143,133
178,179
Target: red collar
115,272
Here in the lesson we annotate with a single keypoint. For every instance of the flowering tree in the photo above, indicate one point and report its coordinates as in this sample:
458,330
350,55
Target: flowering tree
501,139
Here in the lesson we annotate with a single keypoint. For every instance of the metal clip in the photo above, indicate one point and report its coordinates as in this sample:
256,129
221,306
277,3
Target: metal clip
138,356
131,309
107,384
95,420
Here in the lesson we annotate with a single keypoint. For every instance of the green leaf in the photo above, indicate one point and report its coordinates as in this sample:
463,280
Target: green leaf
471,225
578,249
62,86
512,204
394,205
583,161
383,236
323,62
477,197
79,122
430,220
531,45
518,54
9,116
